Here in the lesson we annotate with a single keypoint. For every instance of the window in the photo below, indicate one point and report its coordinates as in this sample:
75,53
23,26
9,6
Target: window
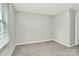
3,20
3,24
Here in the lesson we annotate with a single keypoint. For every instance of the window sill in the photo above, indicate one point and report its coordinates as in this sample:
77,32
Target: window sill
3,41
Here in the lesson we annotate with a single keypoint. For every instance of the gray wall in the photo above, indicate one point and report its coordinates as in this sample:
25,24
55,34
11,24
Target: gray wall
61,27
64,27
32,27
77,29
72,27
9,49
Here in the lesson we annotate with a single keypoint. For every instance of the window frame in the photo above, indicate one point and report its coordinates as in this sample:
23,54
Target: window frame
4,36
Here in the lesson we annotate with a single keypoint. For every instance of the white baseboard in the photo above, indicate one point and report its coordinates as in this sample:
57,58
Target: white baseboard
62,43
35,42
72,45
12,50
42,41
46,41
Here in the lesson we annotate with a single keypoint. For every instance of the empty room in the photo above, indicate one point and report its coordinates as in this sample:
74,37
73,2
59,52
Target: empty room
39,29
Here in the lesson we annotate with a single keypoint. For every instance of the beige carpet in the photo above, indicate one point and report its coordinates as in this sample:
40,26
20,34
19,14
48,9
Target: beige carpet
50,48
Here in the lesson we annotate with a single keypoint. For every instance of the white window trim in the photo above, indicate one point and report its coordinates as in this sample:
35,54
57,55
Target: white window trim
4,41
4,38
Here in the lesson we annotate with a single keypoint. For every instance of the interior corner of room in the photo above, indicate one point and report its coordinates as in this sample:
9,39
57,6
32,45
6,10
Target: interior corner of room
35,23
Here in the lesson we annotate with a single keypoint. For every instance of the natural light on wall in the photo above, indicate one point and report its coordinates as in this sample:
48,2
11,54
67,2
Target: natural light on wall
4,38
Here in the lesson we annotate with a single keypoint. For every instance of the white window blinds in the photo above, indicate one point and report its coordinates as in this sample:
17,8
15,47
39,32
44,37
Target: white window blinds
3,24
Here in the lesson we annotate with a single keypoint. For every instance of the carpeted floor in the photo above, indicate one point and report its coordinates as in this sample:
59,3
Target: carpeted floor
49,48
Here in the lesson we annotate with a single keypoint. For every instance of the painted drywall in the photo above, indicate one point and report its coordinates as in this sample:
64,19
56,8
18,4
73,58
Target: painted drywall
32,27
72,27
77,29
7,51
61,27
64,27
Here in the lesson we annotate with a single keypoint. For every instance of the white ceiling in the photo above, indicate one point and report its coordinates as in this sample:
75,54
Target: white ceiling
45,8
